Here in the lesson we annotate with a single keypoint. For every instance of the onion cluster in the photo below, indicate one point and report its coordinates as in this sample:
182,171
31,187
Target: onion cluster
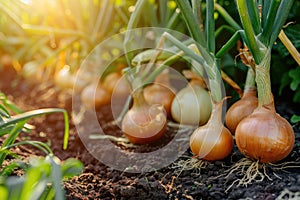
99,94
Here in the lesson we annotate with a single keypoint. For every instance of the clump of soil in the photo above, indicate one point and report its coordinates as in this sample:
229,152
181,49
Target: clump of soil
99,181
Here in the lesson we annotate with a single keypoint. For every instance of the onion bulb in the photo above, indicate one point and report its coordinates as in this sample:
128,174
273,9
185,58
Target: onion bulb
212,141
114,83
94,95
192,105
6,60
30,70
64,79
241,109
161,92
144,123
264,135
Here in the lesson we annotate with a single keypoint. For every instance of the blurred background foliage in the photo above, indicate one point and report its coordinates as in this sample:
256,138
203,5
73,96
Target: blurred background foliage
43,37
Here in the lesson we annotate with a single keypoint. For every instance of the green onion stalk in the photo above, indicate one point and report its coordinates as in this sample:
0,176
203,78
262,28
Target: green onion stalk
260,43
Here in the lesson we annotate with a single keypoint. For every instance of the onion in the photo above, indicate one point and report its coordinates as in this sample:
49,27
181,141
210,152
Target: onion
30,70
114,83
241,109
110,81
144,123
264,135
6,60
192,105
161,92
64,79
212,141
94,95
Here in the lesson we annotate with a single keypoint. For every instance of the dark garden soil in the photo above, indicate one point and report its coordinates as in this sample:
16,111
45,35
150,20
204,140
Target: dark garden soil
99,181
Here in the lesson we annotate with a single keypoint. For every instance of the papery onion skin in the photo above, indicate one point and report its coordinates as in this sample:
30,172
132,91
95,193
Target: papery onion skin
241,109
159,94
144,124
265,136
222,145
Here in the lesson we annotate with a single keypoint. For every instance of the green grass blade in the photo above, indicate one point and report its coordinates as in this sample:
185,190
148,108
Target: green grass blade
30,114
5,130
13,134
4,112
56,176
71,167
8,169
40,145
9,105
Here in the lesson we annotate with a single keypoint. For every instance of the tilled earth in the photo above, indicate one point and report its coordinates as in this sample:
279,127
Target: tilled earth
98,181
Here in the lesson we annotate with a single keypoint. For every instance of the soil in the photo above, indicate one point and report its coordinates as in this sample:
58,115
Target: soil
99,181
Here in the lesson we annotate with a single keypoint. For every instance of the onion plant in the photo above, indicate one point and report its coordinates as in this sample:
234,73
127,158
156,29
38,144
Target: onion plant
202,51
57,29
42,179
261,22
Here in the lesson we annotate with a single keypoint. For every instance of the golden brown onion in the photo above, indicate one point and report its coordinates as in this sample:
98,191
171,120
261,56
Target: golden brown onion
241,109
110,81
159,94
212,141
265,136
95,95
115,83
144,123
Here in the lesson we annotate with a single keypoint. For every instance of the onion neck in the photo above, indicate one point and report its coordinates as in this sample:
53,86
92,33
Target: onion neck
250,80
216,114
214,80
138,98
263,81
